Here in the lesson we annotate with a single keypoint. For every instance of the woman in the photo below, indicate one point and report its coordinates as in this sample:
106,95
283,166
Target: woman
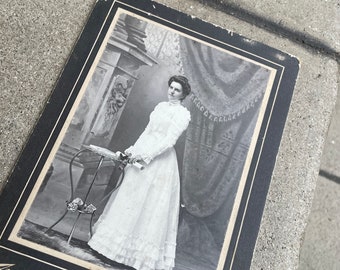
138,226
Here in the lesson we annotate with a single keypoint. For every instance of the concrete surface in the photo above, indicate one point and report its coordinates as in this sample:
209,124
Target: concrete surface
321,244
37,37
312,20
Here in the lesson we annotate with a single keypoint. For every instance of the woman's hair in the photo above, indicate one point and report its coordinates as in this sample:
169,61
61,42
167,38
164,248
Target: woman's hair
183,81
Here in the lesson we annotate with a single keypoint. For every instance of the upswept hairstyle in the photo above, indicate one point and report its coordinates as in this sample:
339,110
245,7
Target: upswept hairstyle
186,88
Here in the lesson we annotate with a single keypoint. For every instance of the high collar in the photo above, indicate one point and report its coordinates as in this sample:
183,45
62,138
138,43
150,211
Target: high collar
174,102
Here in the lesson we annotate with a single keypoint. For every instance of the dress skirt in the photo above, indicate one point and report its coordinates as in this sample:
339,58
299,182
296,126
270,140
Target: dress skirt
139,224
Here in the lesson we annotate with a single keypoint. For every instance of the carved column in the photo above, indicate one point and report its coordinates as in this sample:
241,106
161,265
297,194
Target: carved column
100,109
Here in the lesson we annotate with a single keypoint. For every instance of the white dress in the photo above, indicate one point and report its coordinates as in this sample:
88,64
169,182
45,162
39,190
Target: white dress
138,226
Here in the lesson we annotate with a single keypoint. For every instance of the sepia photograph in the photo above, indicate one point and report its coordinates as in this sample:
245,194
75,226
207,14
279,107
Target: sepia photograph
150,167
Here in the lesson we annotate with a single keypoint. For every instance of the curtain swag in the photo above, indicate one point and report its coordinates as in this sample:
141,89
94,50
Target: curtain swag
222,118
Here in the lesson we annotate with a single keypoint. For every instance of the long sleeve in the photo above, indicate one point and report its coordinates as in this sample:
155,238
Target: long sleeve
131,149
166,124
175,129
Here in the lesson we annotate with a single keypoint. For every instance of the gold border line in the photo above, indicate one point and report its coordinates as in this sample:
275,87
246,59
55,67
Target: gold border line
253,178
243,180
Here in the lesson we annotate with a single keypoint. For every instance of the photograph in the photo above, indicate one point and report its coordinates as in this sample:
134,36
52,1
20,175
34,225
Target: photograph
151,165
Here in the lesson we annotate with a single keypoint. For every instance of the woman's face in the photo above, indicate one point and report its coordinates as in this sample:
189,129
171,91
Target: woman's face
175,91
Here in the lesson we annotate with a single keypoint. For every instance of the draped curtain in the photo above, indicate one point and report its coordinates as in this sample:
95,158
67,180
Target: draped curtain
226,96
226,89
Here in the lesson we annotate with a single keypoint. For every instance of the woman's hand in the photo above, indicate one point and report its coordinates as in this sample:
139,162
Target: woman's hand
127,153
133,159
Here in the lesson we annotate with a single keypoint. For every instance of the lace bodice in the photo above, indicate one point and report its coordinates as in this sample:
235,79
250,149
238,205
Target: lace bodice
167,122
